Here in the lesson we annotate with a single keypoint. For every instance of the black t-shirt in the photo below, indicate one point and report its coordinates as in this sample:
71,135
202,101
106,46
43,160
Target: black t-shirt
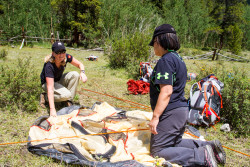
169,70
50,70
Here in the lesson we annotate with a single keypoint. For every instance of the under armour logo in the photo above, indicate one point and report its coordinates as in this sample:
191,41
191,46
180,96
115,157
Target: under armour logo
165,76
59,43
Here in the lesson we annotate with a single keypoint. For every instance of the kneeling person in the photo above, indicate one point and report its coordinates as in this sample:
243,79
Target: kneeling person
58,85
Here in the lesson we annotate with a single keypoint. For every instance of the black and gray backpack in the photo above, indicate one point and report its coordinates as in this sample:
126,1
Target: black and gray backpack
205,101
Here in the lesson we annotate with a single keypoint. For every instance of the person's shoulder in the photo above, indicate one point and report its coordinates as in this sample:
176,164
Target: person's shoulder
48,65
69,57
168,57
174,56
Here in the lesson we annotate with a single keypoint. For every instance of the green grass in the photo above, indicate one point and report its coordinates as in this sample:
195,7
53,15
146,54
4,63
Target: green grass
14,126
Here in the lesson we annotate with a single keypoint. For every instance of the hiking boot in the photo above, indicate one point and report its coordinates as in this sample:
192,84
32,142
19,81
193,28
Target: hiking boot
210,160
167,164
219,152
42,101
69,103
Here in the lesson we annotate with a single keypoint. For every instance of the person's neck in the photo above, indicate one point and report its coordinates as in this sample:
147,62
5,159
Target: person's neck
163,52
58,64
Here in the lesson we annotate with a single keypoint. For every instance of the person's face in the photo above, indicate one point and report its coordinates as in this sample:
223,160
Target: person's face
156,48
59,56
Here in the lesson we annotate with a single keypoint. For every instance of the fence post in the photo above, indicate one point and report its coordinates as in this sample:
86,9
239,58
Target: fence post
216,44
58,38
23,34
52,38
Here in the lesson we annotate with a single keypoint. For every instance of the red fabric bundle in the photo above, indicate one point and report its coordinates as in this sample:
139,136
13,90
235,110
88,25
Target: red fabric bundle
138,87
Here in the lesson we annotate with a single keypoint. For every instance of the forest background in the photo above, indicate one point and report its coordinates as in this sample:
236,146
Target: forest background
123,28
90,23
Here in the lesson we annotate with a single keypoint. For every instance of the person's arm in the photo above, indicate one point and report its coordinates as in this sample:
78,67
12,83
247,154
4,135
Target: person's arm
50,93
162,102
79,65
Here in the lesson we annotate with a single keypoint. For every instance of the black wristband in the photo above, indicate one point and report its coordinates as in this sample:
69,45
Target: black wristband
83,71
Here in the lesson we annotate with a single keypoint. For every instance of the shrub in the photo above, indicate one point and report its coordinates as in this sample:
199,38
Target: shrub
3,54
19,89
129,51
235,39
236,103
235,95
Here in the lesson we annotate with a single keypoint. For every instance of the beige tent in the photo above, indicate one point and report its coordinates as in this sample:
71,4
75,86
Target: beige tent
101,136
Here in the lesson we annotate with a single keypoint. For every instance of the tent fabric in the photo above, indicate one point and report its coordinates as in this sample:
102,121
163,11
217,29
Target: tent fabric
138,87
97,136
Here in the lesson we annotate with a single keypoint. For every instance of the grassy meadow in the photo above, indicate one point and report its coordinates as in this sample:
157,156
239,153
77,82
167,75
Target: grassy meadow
14,126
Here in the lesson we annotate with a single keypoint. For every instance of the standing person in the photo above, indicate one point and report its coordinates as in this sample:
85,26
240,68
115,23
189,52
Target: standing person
59,87
170,109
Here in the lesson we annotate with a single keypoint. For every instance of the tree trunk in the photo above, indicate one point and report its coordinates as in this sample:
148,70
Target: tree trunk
76,33
223,26
76,36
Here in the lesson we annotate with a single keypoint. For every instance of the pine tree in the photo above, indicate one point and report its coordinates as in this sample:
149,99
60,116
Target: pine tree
1,8
227,14
246,29
76,16
235,39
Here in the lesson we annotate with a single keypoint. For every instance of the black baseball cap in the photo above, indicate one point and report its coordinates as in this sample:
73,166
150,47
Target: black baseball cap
58,47
162,29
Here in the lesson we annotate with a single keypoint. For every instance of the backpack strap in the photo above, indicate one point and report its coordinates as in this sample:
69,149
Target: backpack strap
206,100
212,76
194,88
218,92
206,106
205,109
215,114
199,85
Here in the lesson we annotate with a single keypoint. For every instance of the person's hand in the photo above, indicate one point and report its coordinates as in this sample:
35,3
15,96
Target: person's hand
153,124
83,77
53,112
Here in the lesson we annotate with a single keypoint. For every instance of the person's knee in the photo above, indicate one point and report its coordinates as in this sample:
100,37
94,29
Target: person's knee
75,75
154,154
65,95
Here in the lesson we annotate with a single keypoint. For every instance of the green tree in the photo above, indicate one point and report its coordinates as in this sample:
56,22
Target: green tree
33,15
227,14
235,39
122,17
246,29
1,8
175,14
190,19
77,16
198,21
233,16
160,6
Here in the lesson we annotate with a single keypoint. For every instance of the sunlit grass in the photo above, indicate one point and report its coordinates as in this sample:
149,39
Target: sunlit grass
14,126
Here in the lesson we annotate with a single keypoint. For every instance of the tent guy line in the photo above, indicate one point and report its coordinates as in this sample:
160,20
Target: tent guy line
123,131
130,130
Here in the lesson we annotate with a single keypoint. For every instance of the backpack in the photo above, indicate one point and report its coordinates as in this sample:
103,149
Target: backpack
191,76
145,71
92,58
205,101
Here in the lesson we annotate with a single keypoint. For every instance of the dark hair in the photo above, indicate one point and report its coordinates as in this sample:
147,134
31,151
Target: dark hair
169,41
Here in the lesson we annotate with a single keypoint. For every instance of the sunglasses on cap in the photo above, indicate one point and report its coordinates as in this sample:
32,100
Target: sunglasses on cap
60,52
